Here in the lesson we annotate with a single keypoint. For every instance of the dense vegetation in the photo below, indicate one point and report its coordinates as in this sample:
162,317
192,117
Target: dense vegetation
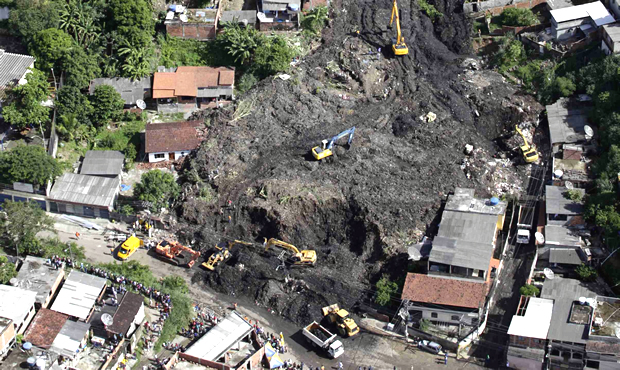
518,17
29,164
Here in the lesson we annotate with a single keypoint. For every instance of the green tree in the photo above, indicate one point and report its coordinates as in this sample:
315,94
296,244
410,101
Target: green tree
274,55
28,17
239,42
71,101
176,283
30,164
314,20
55,247
20,223
511,54
574,195
25,100
385,289
529,290
136,64
246,82
133,22
158,188
80,67
7,270
518,17
564,86
80,19
586,273
107,104
49,47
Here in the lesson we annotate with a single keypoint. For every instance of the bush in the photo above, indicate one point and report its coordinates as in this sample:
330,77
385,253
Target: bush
246,82
529,290
158,188
55,247
511,54
313,21
385,289
574,195
127,210
517,17
586,273
430,10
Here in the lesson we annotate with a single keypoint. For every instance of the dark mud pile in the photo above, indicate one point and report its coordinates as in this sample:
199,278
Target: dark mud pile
361,209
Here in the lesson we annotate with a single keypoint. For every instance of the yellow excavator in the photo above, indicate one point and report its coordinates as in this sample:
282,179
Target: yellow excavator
300,258
529,152
347,327
222,253
398,44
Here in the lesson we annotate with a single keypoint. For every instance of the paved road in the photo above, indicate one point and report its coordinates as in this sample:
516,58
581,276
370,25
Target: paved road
363,350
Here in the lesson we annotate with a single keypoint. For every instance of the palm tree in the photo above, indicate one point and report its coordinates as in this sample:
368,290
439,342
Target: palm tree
136,64
241,42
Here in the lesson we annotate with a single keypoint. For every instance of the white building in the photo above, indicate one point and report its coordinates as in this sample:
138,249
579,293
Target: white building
567,22
18,305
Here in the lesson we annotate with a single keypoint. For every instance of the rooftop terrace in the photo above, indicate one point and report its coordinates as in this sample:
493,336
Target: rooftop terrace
606,321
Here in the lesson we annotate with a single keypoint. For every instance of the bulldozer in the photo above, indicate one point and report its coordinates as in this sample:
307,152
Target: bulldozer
347,327
176,253
299,258
222,253
530,155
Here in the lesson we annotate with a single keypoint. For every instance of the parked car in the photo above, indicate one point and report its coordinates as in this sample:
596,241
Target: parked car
429,346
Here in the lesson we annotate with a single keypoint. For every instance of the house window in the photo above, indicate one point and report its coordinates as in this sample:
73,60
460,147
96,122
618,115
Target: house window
455,318
160,156
434,315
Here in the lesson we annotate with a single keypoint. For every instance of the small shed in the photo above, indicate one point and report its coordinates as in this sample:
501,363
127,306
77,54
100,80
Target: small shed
104,163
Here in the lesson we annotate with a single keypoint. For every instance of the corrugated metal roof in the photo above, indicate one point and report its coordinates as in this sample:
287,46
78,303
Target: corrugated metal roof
470,227
12,68
566,122
130,90
596,10
67,342
78,294
103,163
221,338
558,204
461,253
85,189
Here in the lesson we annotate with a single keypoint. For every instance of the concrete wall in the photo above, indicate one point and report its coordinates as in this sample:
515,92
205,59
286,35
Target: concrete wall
527,342
7,338
177,155
498,6
21,326
55,286
566,29
446,315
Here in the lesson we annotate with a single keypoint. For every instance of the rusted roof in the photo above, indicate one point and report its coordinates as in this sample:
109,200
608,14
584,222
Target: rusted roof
45,327
187,80
172,137
451,292
126,313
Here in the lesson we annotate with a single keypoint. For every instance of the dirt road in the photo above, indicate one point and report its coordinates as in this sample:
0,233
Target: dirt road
363,350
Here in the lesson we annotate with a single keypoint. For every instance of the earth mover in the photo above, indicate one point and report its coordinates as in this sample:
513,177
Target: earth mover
530,155
325,149
299,258
223,252
347,327
176,253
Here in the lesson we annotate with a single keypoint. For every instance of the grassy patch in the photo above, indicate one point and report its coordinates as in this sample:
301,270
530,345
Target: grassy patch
430,10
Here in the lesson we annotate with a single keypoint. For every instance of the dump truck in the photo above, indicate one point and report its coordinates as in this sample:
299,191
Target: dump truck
176,253
347,327
320,337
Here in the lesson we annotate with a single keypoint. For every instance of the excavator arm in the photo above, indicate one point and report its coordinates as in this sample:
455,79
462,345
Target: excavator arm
280,243
398,45
305,257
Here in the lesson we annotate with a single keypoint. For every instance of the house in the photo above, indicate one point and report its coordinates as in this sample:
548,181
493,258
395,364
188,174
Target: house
528,333
131,90
244,17
611,37
570,321
567,123
17,305
36,275
585,18
460,263
171,141
45,327
279,15
603,346
228,345
84,195
104,163
68,342
7,335
195,24
128,316
561,210
185,89
78,295
13,70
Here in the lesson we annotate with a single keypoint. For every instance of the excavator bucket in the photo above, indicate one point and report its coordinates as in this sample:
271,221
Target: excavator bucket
329,309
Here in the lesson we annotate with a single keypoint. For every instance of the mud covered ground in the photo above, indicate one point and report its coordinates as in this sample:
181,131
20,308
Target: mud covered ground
362,209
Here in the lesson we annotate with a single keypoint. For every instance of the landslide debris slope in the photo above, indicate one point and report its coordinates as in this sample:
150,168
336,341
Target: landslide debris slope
362,209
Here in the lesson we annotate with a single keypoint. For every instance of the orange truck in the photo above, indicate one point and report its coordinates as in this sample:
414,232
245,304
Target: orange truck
176,253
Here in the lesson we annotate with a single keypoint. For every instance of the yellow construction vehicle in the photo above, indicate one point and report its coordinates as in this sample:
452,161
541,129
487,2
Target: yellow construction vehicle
300,258
347,327
222,253
325,150
398,44
529,153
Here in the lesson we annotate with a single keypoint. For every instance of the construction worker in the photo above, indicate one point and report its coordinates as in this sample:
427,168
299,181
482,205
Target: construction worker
77,235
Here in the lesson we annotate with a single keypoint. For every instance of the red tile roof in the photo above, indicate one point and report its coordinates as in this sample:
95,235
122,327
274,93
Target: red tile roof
437,290
172,137
45,327
186,80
